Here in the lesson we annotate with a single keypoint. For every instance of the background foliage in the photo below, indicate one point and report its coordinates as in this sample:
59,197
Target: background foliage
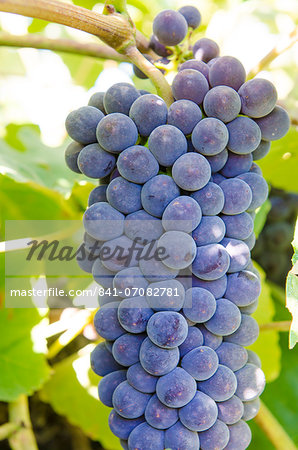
37,90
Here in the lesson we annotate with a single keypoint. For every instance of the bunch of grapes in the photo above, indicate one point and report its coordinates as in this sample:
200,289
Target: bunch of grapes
273,250
169,232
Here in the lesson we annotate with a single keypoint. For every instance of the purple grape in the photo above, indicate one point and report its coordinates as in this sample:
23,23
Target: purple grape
146,437
200,413
95,162
211,230
222,102
167,143
106,322
184,114
108,384
126,348
216,287
71,156
238,196
218,161
210,198
240,436
98,194
244,135
210,340
191,171
226,318
194,64
211,262
148,112
205,49
167,329
247,333
210,136
159,415
230,411
96,100
258,97
192,16
170,27
128,402
123,427
239,254
200,305
81,124
239,226
201,363
191,85
141,380
216,437
124,195
119,98
115,132
178,437
158,361
221,386
157,193
236,165
137,164
102,361
182,214
232,355
159,49
251,409
193,340
227,71
243,288
176,389
250,382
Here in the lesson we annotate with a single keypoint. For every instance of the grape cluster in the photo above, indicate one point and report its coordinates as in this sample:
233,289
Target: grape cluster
273,250
179,184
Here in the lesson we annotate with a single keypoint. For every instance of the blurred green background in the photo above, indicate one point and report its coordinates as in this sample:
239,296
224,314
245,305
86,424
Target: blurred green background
38,88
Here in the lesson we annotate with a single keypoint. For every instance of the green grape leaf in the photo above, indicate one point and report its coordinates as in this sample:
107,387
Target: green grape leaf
38,163
11,64
83,69
37,26
30,201
280,165
80,193
72,392
292,292
23,369
261,216
267,344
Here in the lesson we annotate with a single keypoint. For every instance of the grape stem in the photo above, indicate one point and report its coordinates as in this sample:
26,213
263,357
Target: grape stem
280,48
20,416
61,45
273,429
7,429
113,29
163,88
276,326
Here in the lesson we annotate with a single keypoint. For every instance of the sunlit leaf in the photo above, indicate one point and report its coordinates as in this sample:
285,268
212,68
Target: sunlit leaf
38,163
267,344
292,292
22,370
261,216
280,165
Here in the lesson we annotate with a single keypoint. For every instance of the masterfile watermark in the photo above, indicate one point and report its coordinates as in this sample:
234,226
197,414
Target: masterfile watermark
54,263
